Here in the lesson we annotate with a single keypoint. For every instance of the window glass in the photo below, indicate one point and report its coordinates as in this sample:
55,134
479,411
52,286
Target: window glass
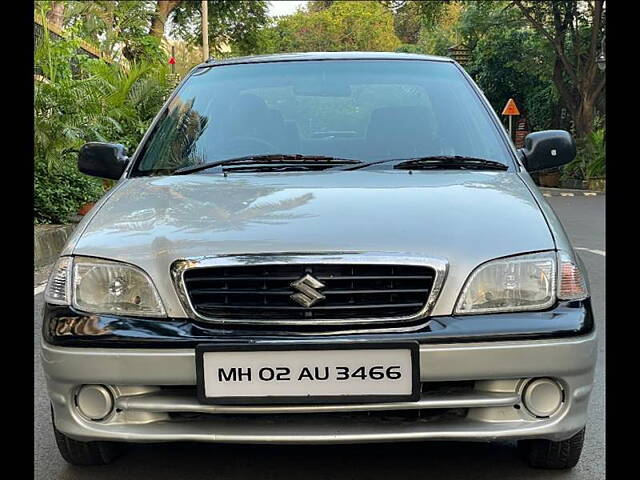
366,110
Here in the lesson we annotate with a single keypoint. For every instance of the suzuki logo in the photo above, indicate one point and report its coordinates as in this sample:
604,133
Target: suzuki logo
308,295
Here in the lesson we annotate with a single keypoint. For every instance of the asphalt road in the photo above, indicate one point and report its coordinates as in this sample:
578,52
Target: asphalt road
583,218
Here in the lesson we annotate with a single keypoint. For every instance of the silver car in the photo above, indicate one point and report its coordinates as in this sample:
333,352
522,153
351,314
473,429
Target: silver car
321,248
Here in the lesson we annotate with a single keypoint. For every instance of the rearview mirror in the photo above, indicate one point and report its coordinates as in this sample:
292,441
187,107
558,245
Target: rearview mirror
104,160
547,149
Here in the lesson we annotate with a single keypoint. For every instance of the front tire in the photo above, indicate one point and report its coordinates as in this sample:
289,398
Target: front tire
553,455
86,453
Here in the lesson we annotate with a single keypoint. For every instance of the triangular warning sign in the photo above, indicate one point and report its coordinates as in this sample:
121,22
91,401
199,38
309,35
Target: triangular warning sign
510,108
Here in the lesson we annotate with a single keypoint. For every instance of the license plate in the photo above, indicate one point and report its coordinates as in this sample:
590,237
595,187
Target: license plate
311,373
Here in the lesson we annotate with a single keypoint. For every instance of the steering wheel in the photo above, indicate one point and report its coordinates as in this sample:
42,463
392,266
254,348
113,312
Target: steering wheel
244,142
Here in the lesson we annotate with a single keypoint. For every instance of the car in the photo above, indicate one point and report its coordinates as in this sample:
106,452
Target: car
321,248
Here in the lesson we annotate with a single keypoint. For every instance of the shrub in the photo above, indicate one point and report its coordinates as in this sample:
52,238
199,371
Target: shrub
596,166
59,193
590,161
99,102
410,48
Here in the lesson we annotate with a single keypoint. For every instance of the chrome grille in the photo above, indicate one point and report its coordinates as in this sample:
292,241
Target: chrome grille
349,291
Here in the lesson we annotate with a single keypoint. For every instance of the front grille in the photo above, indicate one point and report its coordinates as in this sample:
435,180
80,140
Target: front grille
350,291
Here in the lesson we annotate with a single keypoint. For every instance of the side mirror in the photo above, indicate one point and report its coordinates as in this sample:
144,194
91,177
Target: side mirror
547,149
104,160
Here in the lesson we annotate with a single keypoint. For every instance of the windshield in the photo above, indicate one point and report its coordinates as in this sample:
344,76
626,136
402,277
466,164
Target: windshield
366,110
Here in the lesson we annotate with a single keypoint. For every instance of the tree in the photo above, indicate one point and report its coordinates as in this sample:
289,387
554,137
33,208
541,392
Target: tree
55,16
574,30
80,99
441,32
408,22
229,21
162,12
343,26
318,5
410,17
135,29
509,59
500,66
120,28
428,12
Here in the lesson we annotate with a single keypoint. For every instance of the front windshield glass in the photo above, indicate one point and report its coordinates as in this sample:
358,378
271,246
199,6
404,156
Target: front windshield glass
367,110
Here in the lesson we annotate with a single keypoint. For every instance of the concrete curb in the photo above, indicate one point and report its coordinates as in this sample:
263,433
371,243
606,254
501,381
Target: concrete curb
568,192
48,241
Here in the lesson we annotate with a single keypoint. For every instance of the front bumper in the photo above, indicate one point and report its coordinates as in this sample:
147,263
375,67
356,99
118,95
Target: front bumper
155,401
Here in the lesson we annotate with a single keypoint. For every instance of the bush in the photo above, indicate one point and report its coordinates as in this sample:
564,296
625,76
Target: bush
596,167
59,193
410,48
99,102
590,161
342,27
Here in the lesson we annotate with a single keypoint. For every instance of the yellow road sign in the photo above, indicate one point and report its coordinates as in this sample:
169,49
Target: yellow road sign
510,108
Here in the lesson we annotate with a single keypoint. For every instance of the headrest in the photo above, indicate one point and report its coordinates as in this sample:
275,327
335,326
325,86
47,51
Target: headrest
249,105
409,121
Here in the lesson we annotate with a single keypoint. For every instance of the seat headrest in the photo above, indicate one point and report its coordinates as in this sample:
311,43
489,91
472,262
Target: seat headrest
401,131
249,105
406,121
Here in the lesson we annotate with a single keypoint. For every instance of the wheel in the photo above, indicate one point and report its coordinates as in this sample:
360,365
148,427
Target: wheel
85,453
553,455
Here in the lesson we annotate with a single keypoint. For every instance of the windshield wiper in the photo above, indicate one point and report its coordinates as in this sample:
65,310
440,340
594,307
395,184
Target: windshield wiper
266,162
450,162
439,162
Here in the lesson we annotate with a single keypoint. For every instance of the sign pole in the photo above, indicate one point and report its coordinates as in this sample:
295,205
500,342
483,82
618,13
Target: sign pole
510,129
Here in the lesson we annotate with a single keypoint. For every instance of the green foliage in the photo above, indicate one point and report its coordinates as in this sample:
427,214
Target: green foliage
540,103
342,26
407,21
230,21
66,106
428,13
130,98
106,102
439,31
317,5
99,102
120,28
59,194
590,161
574,30
595,146
411,48
509,60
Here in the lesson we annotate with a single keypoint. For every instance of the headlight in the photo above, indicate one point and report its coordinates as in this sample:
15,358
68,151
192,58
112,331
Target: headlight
523,282
103,286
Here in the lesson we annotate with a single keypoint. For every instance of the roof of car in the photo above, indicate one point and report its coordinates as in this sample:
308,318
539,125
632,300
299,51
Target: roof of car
284,57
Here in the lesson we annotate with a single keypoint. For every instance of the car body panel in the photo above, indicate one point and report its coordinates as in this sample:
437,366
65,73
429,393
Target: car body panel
153,221
137,376
309,56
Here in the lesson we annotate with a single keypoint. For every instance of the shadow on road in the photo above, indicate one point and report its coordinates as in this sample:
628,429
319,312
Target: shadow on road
384,462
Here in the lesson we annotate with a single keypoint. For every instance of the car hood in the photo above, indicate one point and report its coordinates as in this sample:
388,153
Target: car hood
464,217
